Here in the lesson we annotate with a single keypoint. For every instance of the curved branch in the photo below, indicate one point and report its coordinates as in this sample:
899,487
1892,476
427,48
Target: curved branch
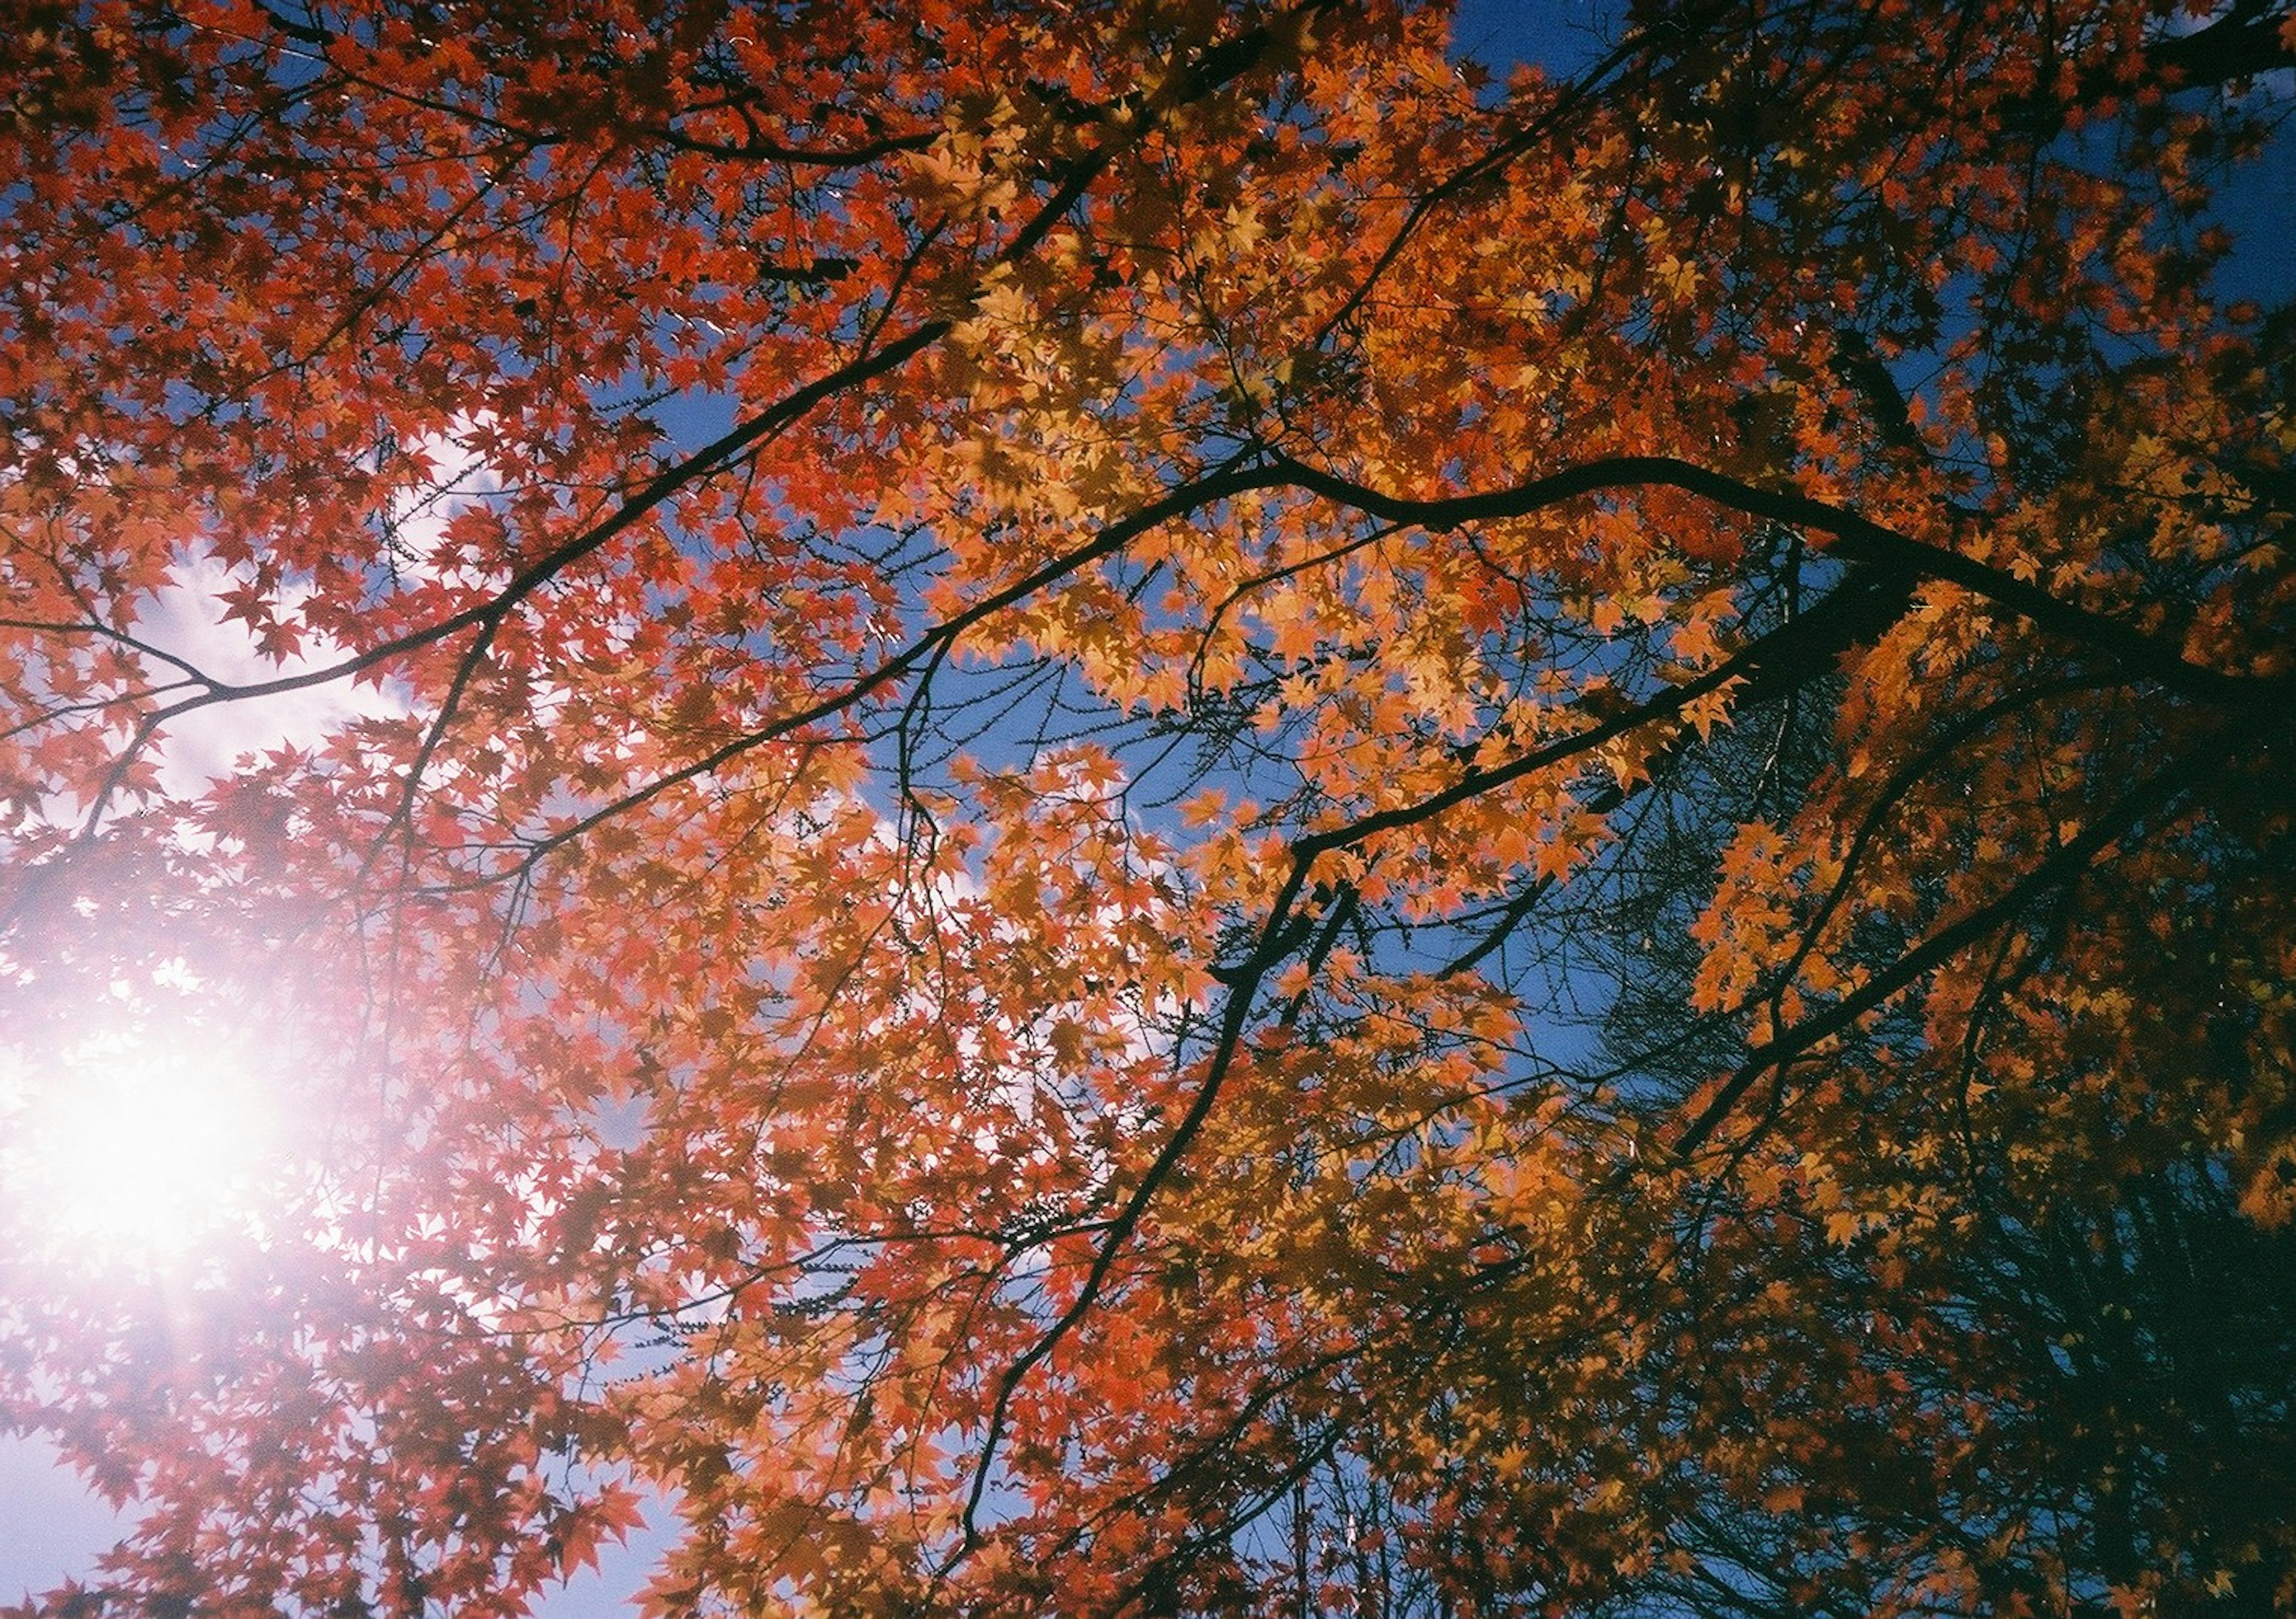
2064,865
1857,537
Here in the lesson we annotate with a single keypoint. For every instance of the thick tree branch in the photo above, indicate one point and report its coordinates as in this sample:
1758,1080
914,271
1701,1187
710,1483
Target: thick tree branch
2065,864
1856,537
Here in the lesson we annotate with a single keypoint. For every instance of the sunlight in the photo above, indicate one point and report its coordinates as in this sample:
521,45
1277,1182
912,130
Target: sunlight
128,1149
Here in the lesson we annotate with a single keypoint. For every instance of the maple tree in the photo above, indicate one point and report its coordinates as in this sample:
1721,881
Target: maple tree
1123,806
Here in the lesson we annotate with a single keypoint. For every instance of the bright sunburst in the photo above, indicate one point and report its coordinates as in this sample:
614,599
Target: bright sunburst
132,1147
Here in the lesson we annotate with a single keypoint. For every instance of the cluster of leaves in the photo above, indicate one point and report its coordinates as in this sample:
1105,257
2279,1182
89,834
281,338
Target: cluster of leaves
1148,808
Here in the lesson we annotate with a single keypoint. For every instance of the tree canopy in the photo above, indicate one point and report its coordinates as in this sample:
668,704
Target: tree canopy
1149,806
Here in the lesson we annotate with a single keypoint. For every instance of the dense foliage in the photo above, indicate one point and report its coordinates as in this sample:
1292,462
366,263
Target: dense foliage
1143,806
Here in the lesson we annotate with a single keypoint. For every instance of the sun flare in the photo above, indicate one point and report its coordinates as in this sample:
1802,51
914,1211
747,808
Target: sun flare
126,1149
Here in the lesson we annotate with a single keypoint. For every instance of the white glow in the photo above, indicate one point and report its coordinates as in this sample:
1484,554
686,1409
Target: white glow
126,1150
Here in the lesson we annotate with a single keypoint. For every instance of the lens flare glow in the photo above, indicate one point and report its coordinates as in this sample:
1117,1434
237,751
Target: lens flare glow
127,1150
